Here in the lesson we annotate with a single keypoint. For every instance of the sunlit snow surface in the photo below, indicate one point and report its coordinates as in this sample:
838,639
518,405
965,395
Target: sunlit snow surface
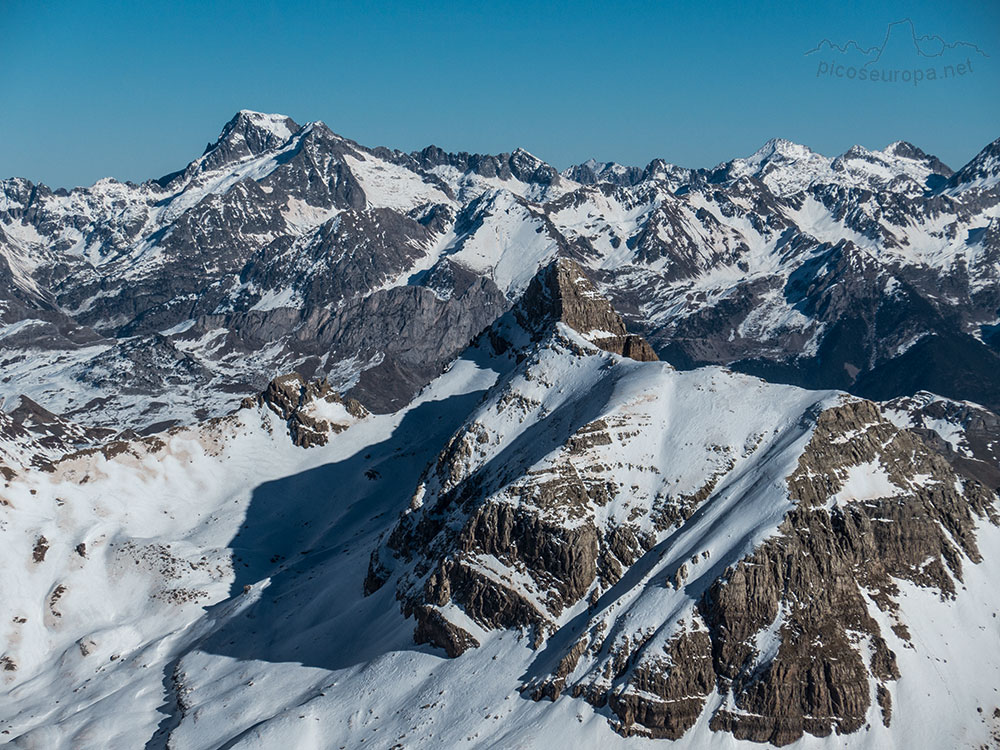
209,589
218,597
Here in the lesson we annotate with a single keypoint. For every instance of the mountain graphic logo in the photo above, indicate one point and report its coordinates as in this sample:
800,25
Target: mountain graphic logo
925,45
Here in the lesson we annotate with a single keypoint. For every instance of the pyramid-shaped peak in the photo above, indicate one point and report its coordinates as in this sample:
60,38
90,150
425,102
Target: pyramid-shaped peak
782,147
274,126
523,153
904,149
527,167
982,171
247,134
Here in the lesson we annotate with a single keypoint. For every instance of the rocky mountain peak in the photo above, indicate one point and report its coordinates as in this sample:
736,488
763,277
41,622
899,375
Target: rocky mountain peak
892,167
562,292
523,156
592,172
784,166
519,165
982,171
906,150
673,175
248,133
527,167
780,150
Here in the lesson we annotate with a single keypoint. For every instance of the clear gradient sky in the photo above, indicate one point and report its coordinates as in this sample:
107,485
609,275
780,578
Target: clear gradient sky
134,90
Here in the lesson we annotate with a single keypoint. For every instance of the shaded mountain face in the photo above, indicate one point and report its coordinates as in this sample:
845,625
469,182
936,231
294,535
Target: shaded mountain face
982,173
289,247
560,540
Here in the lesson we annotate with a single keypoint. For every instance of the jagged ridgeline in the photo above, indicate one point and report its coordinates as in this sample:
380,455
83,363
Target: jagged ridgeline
290,248
313,444
633,600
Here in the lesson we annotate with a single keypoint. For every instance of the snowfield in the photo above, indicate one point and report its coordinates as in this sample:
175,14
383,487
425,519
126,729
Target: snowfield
205,586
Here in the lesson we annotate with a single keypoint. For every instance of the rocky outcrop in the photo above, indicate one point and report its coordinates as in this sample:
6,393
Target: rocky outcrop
630,345
434,629
787,634
302,405
832,553
510,551
967,435
561,292
517,557
666,694
471,564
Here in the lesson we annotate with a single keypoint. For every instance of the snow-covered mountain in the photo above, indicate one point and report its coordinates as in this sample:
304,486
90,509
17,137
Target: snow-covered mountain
552,543
288,247
310,444
983,172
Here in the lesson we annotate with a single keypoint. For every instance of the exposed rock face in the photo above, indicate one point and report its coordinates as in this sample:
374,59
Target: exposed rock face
972,446
680,679
541,528
834,551
557,560
630,345
562,292
519,164
984,169
301,405
787,633
434,629
247,134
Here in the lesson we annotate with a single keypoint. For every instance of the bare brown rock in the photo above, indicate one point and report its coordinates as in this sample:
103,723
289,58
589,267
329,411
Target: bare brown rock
665,696
41,547
631,345
434,629
289,395
812,575
516,560
562,292
807,590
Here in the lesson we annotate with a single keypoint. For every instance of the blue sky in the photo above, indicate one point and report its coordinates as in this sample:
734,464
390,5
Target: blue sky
135,90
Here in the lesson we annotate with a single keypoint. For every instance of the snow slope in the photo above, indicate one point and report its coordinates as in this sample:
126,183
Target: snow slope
216,599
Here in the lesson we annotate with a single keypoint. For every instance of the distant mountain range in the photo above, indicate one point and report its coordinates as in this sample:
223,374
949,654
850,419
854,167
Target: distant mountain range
311,444
288,247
